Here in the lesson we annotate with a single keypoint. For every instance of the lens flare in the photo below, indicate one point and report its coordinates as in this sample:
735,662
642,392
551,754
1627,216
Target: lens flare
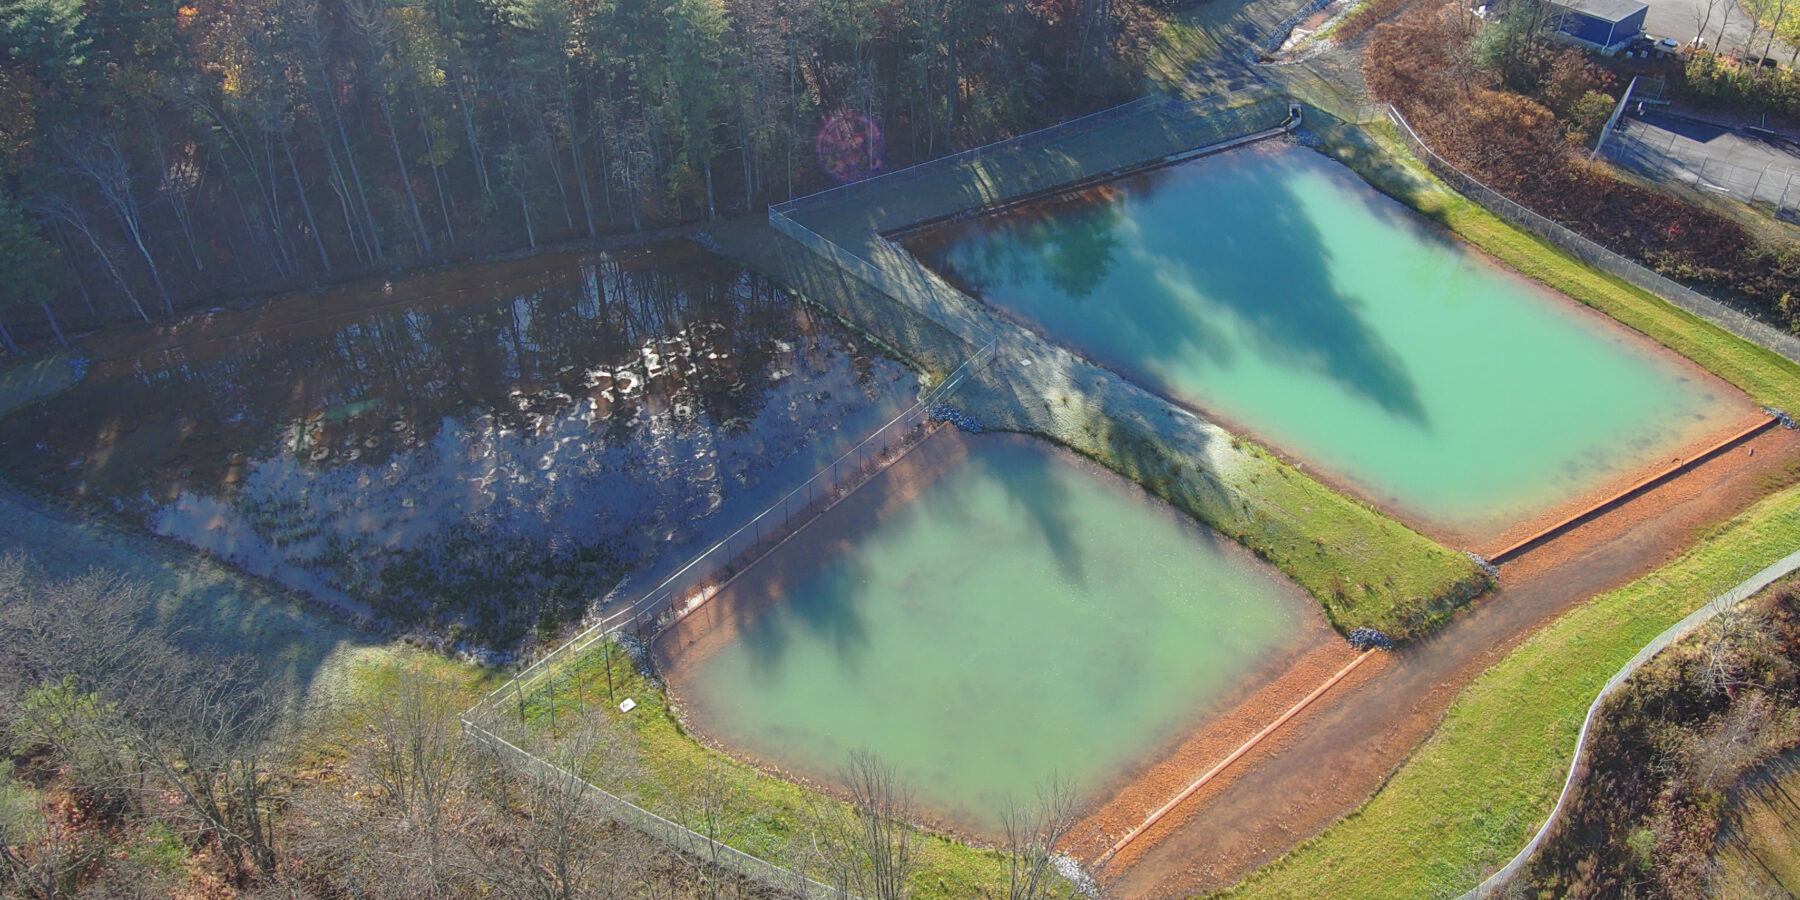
850,146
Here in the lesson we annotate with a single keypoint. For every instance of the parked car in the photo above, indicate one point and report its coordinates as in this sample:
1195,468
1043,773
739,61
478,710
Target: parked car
1647,47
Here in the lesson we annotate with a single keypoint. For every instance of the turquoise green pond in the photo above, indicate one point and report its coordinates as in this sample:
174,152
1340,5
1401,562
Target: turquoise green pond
1024,616
1274,289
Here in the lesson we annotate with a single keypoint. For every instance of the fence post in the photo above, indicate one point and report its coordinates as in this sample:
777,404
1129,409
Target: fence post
609,678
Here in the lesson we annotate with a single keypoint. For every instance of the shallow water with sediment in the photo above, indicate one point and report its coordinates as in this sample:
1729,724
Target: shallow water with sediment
990,614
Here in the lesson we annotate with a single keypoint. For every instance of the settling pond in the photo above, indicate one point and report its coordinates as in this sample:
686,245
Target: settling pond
1275,290
987,614
495,446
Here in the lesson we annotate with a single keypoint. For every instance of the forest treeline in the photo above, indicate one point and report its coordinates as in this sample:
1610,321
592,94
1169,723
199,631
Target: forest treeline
155,158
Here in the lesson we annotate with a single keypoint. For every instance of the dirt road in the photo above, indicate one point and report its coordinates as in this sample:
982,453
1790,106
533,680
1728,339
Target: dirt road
1330,759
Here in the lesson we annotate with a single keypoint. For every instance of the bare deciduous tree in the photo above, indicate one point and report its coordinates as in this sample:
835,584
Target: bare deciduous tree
563,845
867,849
210,733
1034,831
709,808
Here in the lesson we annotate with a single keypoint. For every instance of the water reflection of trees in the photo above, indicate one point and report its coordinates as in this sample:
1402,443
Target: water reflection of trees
665,358
1068,241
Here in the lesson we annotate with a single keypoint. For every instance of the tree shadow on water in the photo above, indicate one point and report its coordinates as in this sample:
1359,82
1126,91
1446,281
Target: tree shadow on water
1025,472
819,586
1145,273
816,583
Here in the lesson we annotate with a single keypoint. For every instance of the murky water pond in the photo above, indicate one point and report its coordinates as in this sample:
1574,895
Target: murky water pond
1273,288
495,446
987,615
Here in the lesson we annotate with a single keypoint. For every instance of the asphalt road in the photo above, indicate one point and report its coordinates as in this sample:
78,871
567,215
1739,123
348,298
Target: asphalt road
1680,19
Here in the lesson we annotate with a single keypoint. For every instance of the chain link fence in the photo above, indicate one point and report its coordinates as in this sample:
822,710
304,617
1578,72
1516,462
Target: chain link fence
629,814
1666,155
1497,882
679,594
701,577
855,190
1009,176
1731,320
1209,119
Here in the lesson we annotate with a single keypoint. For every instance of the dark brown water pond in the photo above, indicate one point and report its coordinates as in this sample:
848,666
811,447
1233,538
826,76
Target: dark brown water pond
495,448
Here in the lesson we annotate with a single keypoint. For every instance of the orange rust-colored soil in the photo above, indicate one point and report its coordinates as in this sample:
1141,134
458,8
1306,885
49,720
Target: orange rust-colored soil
1262,701
1332,757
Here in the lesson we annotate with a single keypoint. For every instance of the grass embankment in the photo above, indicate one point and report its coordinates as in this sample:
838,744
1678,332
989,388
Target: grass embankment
1366,569
1180,46
1473,793
763,815
1381,158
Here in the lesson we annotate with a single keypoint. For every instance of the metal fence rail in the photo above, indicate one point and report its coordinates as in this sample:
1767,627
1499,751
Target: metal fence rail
1046,135
1688,625
646,822
1612,121
1744,326
696,581
682,592
893,271
1236,105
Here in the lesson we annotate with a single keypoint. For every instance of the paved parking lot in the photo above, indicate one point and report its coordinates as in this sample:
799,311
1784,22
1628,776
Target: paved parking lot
1680,19
1749,166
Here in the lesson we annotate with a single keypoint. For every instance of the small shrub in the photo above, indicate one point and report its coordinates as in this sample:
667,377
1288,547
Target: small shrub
1588,116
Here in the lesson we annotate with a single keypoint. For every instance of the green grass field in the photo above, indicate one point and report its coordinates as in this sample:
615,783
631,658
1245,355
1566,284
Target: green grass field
763,815
1474,792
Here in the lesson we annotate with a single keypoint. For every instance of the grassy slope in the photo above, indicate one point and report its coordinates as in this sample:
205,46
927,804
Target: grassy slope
1471,795
1182,44
765,813
1365,568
